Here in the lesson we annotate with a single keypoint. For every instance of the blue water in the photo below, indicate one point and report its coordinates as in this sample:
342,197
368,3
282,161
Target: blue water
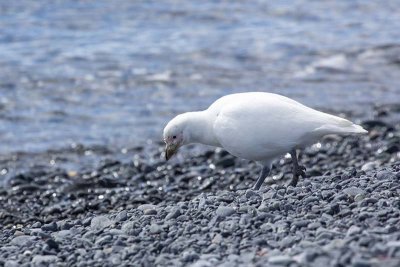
114,72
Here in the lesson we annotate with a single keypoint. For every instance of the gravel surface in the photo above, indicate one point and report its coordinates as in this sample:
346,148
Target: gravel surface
198,211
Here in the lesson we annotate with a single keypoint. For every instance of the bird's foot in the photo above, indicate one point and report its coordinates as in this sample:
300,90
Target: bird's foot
298,171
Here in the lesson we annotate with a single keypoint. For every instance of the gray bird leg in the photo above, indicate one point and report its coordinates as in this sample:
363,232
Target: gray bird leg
264,173
298,170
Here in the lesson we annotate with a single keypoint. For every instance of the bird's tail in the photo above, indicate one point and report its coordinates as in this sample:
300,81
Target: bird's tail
341,126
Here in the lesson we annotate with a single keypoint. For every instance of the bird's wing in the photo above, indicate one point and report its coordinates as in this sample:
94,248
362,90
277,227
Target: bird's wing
267,125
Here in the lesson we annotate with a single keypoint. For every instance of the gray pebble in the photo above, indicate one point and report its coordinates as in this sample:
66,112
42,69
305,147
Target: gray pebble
369,166
51,227
174,213
131,228
314,225
359,197
301,223
155,229
202,263
44,260
251,193
11,263
36,225
385,175
121,216
100,222
23,240
188,256
353,230
225,211
145,207
103,240
150,212
283,260
353,191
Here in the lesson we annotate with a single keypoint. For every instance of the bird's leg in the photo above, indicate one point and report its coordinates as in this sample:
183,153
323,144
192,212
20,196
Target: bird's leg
298,170
264,173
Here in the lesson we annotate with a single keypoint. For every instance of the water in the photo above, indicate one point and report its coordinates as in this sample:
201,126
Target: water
114,72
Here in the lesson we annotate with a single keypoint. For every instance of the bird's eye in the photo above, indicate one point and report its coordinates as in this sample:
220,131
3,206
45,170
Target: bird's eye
174,137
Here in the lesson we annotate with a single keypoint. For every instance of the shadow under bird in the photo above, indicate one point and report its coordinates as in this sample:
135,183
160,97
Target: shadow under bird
256,126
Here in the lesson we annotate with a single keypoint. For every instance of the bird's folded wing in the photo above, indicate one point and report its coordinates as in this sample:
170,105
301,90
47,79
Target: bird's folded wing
260,127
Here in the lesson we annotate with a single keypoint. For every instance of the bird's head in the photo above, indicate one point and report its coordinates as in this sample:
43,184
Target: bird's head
175,135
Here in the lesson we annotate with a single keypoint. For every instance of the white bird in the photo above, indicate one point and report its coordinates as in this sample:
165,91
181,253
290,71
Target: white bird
256,126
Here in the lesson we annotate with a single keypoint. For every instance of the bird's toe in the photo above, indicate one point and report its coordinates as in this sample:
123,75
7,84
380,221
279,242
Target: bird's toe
299,171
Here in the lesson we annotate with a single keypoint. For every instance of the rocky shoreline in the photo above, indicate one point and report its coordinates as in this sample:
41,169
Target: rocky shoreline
198,211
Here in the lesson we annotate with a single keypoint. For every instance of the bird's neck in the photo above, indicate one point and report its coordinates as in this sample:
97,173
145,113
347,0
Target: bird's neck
201,129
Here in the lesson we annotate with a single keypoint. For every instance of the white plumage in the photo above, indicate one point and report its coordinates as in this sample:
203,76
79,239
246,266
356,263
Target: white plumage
256,126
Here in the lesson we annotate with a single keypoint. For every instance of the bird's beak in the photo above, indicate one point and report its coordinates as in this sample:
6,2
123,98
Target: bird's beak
170,150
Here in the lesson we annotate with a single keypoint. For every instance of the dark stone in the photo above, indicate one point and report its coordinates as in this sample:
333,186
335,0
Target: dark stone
225,162
51,227
52,244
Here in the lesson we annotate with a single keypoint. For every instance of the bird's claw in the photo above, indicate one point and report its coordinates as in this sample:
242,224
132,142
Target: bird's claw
298,171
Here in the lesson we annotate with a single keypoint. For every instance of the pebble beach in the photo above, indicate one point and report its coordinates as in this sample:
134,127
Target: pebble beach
198,210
